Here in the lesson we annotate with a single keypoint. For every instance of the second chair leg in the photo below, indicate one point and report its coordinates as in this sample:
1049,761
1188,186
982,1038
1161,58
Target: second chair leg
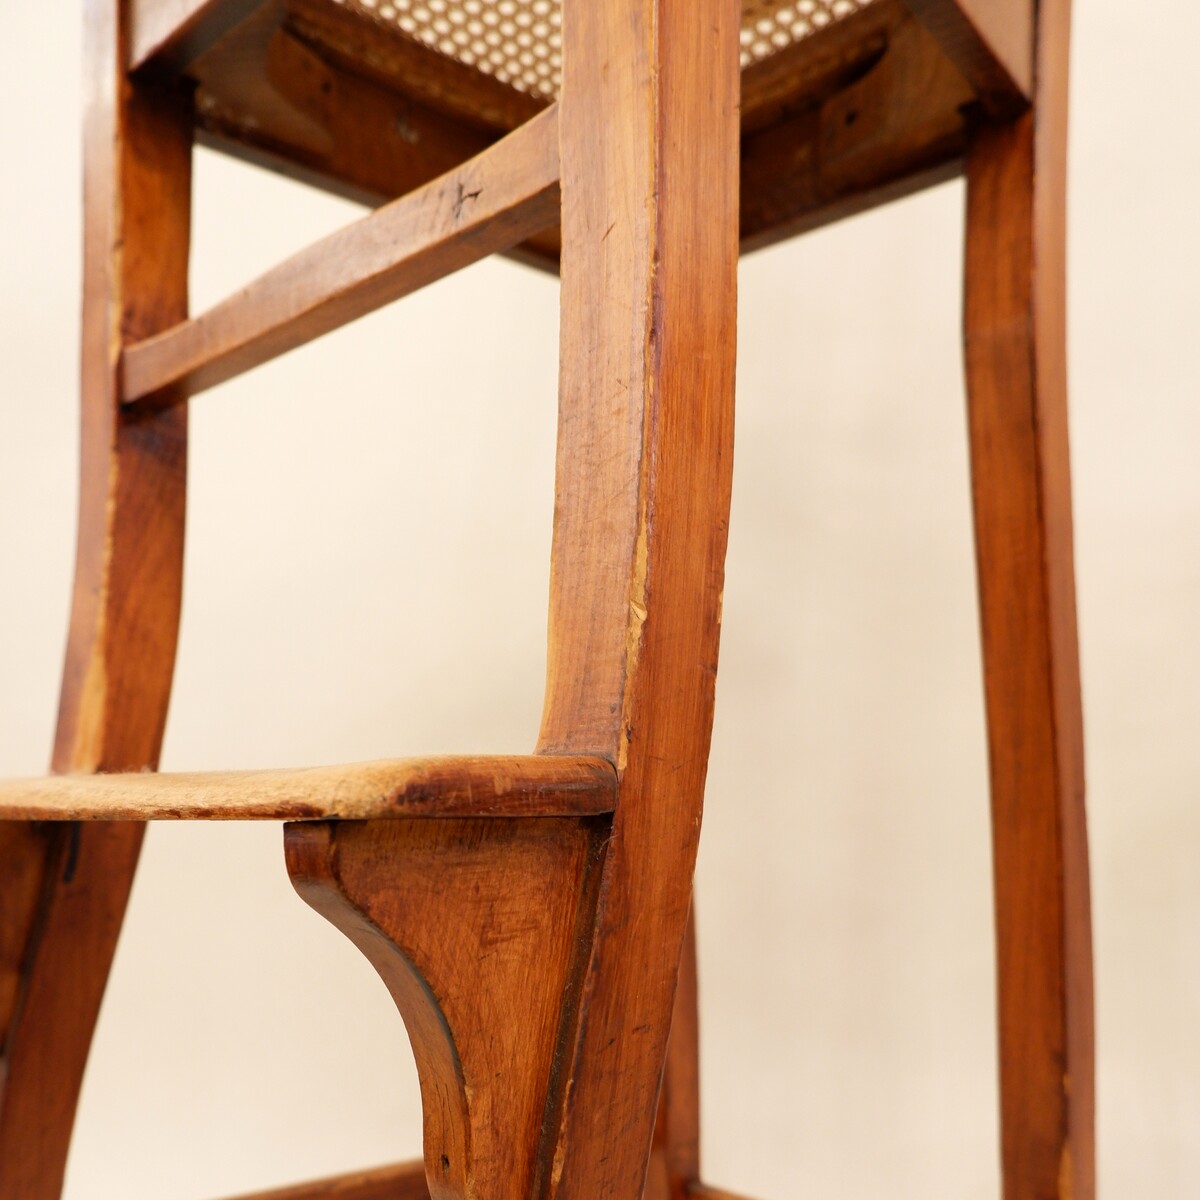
1016,374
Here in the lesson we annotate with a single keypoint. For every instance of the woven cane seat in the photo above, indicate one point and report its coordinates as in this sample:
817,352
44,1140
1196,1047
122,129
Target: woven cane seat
844,103
518,41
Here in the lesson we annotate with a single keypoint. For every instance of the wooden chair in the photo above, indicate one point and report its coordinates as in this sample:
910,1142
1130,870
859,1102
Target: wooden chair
530,914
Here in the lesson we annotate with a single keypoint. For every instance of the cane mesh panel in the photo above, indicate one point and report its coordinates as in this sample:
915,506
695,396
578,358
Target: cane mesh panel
519,41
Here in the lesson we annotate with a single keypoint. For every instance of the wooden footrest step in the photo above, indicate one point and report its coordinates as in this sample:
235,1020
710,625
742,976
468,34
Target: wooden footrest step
485,786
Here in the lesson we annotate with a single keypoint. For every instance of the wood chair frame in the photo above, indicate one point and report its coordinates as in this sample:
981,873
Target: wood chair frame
560,924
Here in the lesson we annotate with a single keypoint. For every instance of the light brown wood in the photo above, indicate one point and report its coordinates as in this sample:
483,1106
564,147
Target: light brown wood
649,128
1015,331
405,1181
991,41
477,929
496,785
124,618
489,204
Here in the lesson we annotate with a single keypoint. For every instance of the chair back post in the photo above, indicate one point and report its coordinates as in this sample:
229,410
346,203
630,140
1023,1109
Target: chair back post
63,927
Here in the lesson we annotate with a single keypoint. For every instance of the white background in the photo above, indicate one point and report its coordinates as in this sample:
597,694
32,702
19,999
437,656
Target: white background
367,570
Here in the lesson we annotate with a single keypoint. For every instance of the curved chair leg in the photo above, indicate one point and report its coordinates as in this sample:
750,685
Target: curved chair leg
480,930
61,912
1016,372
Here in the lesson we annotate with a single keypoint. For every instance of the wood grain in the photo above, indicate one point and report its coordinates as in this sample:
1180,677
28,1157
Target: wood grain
405,1181
489,204
649,129
497,785
369,45
124,617
898,127
675,1156
1015,332
991,42
476,928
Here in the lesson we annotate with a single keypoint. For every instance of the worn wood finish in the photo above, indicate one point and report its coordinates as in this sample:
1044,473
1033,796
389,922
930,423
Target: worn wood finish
1015,326
489,204
649,128
121,649
495,785
477,928
991,42
405,1181
898,127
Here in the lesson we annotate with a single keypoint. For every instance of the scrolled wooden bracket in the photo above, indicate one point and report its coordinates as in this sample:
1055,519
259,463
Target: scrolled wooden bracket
480,929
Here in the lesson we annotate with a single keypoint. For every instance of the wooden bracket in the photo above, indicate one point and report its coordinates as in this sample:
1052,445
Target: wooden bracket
481,930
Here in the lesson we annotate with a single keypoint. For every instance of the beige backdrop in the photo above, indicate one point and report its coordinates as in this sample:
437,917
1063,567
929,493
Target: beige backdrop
366,576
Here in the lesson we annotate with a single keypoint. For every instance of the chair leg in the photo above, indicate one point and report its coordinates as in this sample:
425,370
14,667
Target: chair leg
480,930
675,1157
61,912
1016,373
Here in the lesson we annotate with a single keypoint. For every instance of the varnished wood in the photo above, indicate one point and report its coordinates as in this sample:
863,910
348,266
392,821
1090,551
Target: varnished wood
124,617
405,1181
1015,331
476,928
369,45
171,34
489,204
497,785
649,128
675,1157
898,127
702,1191
991,42
319,91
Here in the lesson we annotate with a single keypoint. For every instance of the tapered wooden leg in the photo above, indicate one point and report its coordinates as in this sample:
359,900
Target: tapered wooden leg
479,929
1016,373
62,901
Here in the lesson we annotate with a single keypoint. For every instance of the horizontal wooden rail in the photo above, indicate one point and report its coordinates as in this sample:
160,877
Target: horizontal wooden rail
406,1181
491,203
487,786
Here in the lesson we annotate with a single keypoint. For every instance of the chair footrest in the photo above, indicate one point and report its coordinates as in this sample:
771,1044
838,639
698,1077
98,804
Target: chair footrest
452,786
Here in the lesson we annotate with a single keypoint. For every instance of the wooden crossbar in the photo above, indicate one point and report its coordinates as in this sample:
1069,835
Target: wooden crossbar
405,1181
491,203
486,786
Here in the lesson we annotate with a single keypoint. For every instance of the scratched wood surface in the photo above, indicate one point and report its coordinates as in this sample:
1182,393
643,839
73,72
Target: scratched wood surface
121,646
447,786
648,122
1015,331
